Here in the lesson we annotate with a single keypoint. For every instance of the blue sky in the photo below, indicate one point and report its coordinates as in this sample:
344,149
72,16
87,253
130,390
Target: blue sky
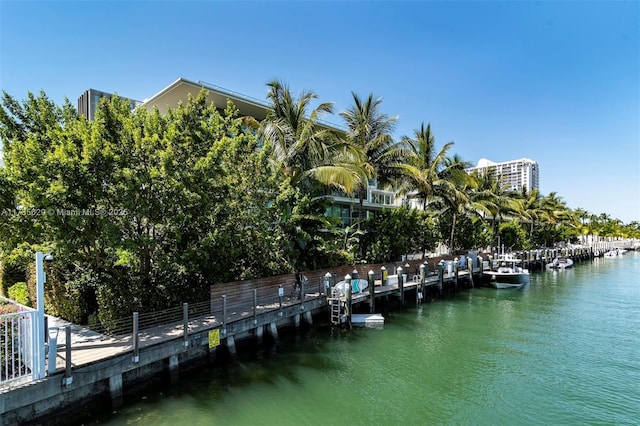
557,82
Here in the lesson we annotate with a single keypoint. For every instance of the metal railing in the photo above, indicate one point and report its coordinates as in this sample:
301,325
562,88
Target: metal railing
17,331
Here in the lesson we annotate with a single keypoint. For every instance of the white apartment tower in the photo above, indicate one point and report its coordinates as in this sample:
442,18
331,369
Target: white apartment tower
516,173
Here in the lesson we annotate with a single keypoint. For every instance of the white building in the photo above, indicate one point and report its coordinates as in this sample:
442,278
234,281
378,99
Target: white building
515,173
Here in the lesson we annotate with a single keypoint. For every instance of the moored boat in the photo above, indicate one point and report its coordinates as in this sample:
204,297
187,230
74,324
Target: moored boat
614,253
506,272
560,263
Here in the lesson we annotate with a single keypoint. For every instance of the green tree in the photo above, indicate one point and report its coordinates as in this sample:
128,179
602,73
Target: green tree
513,235
392,233
143,211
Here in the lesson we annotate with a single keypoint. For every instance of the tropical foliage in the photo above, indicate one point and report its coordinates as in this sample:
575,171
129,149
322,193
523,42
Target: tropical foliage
146,210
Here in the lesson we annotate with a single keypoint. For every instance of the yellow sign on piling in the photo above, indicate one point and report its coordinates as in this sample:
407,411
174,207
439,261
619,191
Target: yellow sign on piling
214,338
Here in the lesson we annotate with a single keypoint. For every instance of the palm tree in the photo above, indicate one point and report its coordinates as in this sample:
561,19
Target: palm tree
531,207
579,218
302,148
553,209
455,195
302,152
423,167
369,131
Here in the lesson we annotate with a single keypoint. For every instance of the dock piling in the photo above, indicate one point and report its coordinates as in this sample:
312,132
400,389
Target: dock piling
115,390
174,369
372,292
67,379
401,285
136,339
185,324
440,277
224,315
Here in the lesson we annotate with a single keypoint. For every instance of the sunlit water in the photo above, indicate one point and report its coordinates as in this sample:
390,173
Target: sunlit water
563,350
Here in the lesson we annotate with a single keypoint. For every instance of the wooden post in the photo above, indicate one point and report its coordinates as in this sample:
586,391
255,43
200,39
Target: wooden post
303,282
440,276
347,304
280,295
255,306
372,292
455,273
421,286
470,268
224,315
401,285
383,275
327,284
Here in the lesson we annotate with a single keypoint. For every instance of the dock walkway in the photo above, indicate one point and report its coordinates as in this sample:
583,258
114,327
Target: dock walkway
89,346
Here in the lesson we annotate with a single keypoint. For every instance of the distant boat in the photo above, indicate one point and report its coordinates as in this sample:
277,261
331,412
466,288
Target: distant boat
615,253
506,272
560,263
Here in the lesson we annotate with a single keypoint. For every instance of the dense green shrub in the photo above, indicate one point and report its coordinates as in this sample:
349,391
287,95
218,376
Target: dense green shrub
20,293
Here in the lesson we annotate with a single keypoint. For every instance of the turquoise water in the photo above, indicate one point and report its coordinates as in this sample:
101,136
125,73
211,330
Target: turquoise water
564,349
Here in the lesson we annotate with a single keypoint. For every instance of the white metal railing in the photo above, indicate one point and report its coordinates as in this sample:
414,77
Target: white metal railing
17,359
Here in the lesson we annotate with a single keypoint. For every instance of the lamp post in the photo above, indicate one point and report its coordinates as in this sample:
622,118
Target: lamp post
39,334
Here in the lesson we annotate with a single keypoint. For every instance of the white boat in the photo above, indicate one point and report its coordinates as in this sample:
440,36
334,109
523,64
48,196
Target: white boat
506,272
560,263
357,286
614,253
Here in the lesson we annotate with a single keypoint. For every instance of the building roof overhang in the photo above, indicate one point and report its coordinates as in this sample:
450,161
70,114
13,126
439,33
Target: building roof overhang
179,91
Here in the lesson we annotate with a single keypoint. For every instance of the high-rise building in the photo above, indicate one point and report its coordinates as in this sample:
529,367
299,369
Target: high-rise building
89,100
515,173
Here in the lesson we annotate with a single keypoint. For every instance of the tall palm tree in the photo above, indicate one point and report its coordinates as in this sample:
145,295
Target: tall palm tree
424,167
303,153
369,131
579,222
553,209
500,201
455,195
531,207
302,148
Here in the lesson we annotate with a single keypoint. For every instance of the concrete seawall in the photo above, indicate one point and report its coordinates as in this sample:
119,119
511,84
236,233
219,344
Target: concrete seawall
105,382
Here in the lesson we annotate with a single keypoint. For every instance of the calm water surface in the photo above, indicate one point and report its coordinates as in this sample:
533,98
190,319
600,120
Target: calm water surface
563,350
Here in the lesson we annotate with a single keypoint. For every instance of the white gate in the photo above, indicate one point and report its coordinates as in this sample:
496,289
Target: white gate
17,360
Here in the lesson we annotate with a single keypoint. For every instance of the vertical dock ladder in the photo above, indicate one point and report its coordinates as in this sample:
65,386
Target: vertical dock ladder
337,303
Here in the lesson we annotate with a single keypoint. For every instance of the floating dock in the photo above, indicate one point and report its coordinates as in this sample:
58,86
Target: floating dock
367,320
